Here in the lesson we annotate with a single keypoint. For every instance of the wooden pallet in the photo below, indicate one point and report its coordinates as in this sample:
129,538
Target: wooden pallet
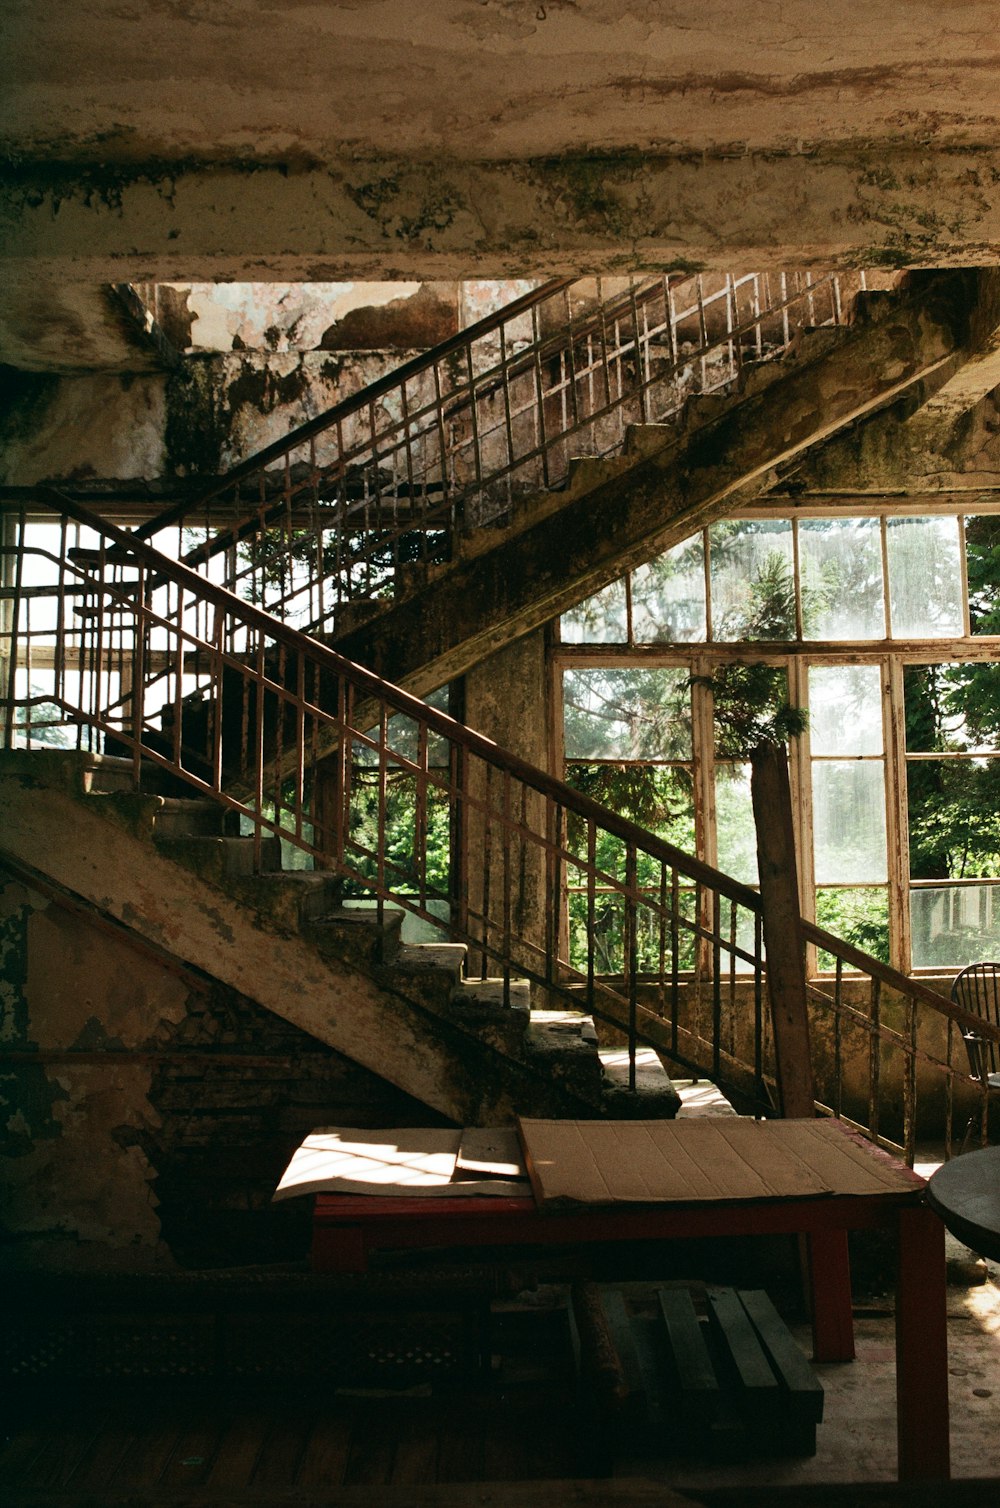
725,1378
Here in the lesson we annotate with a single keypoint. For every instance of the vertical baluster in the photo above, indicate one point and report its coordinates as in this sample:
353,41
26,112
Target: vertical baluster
541,438
16,532
442,440
875,1059
838,1039
342,587
634,311
505,831
258,746
731,971
591,907
420,815
487,865
631,959
661,939
716,987
910,1080
459,839
477,456
138,695
675,963
418,523
733,343
508,424
300,741
383,796
703,328
758,1009
281,677
369,534
98,665
671,317
554,822
58,663
571,372
215,696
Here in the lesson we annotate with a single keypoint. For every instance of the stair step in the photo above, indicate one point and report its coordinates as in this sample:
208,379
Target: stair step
222,858
500,1018
654,1096
179,817
354,934
701,1097
290,898
564,1044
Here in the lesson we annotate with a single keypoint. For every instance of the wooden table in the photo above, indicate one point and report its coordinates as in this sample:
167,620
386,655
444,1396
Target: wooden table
347,1229
966,1194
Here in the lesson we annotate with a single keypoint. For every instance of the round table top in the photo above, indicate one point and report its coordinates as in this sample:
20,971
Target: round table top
966,1194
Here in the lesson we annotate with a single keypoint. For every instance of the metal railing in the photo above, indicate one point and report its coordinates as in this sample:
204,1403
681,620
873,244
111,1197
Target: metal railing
111,646
359,503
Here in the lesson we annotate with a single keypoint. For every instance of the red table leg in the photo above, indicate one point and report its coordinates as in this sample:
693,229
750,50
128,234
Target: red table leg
921,1349
830,1282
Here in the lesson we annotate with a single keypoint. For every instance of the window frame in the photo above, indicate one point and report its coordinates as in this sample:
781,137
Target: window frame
892,655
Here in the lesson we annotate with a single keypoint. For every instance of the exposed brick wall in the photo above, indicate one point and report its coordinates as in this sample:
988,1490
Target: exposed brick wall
145,1115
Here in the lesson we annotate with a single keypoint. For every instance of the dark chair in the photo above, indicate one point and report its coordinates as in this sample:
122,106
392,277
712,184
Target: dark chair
977,989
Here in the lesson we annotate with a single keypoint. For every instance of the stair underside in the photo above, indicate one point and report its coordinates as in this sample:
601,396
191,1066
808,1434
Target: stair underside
671,479
283,941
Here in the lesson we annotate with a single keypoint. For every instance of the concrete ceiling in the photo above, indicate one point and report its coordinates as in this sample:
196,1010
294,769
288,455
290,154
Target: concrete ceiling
491,79
226,139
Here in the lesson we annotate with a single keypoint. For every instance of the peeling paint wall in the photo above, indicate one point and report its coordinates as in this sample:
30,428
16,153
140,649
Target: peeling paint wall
304,316
145,1117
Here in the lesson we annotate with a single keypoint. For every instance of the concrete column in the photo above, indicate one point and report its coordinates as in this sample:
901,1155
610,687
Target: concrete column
506,698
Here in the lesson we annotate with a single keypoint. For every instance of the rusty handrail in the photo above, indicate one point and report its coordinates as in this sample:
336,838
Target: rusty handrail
289,705
306,539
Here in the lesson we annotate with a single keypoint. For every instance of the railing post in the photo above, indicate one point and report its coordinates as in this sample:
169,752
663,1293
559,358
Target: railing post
786,973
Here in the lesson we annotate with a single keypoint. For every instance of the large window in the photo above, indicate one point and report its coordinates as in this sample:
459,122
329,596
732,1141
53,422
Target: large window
883,625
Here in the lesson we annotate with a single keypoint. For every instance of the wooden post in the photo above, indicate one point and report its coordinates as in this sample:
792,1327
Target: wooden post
779,893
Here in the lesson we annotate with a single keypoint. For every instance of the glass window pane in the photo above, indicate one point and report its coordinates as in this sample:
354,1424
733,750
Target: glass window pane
627,714
660,799
953,925
602,619
858,916
925,584
954,818
752,579
982,557
750,702
668,596
845,709
736,835
952,707
841,564
849,821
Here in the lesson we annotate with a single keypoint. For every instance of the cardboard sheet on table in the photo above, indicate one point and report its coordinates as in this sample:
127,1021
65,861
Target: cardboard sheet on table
651,1162
406,1162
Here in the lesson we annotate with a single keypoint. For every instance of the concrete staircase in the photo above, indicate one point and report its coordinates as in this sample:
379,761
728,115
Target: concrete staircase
172,871
556,548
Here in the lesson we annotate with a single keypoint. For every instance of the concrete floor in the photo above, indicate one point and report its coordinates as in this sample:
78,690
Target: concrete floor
857,1440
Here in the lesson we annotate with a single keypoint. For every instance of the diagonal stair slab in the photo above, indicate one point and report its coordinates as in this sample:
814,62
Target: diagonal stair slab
673,479
99,848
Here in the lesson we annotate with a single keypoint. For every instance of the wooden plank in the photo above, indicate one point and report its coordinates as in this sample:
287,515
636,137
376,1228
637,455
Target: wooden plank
144,1462
689,1349
738,1341
620,1327
790,1364
56,1452
416,1449
373,1446
283,1448
325,1458
239,1446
